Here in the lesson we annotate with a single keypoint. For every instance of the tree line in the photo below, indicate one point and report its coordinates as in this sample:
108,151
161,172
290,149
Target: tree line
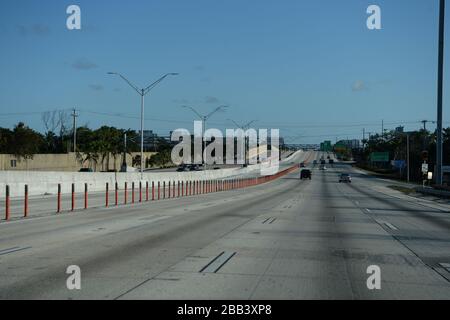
422,146
91,145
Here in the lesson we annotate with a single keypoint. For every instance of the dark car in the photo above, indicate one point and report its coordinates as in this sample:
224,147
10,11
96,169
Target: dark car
330,161
194,167
86,170
182,168
345,177
302,165
305,174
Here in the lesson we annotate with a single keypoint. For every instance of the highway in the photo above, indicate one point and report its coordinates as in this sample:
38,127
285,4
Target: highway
285,239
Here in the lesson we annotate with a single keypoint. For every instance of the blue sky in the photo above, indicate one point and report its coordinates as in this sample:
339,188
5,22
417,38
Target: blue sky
310,68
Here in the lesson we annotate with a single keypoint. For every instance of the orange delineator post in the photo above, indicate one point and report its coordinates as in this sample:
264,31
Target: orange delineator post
153,190
159,190
7,203
126,193
58,201
73,197
25,205
107,195
85,196
169,188
116,195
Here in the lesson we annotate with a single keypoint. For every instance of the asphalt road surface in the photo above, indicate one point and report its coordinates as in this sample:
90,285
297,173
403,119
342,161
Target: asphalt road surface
287,239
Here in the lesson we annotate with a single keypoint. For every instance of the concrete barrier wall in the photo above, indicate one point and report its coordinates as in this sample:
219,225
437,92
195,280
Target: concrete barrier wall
42,183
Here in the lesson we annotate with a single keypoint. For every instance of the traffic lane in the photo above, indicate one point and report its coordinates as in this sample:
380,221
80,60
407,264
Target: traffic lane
421,215
422,227
263,252
114,261
404,274
313,245
423,230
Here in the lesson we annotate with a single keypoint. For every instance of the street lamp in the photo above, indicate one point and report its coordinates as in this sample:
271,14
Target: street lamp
142,92
244,127
440,80
204,118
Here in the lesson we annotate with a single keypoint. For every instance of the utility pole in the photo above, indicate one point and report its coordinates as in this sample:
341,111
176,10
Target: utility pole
74,115
440,93
364,139
407,157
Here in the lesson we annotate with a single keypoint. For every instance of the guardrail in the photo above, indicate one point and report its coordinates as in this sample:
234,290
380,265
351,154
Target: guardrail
159,191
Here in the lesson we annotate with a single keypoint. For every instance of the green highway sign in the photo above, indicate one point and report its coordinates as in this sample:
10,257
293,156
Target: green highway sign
379,157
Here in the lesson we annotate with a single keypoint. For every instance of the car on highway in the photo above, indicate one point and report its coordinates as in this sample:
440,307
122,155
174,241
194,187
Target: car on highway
86,170
182,168
315,162
194,167
322,161
322,167
305,174
330,161
302,164
345,177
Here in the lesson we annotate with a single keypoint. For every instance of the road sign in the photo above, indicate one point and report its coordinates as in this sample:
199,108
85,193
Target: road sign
424,168
399,164
379,157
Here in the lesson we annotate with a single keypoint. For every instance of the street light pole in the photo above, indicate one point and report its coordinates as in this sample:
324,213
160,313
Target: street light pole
142,132
244,127
142,93
204,118
439,93
407,157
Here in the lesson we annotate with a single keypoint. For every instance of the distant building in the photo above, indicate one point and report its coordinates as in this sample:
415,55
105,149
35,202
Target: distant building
152,140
